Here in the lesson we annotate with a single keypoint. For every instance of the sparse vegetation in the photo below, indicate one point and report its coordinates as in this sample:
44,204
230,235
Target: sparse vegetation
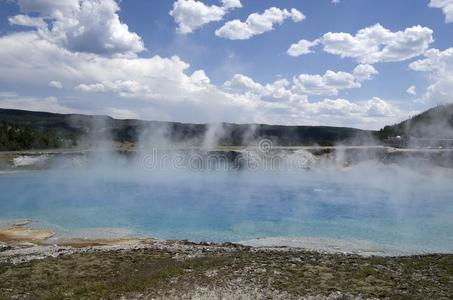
259,273
13,137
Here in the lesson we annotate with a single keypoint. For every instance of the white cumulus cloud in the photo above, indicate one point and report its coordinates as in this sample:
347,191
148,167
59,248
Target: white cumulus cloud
412,90
364,72
48,7
50,104
446,6
124,85
302,47
439,67
374,44
56,84
24,20
91,26
301,86
191,14
290,100
156,87
278,91
257,23
332,82
229,4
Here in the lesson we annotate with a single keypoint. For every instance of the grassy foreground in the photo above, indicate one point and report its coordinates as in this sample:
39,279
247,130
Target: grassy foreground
207,272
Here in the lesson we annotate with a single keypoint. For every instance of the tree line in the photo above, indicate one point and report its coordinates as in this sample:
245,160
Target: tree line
16,137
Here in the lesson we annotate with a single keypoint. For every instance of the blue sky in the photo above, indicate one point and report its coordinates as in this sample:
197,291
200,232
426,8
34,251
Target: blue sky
200,61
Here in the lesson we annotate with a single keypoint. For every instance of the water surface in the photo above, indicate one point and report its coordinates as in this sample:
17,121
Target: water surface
385,205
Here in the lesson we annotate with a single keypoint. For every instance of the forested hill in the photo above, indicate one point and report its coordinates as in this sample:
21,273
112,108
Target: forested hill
14,137
23,130
435,123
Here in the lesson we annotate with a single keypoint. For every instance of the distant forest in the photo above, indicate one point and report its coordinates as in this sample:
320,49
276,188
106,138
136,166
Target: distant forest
13,137
26,130
435,123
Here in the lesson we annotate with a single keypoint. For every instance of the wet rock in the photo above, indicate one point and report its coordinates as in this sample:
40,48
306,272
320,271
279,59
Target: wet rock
5,247
22,223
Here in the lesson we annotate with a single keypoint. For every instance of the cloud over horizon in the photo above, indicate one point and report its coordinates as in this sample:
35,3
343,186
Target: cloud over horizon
82,56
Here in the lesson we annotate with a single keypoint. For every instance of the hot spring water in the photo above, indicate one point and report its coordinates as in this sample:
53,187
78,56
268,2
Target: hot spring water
388,206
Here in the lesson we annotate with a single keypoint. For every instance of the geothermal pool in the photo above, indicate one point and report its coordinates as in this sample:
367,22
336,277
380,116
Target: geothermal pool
390,207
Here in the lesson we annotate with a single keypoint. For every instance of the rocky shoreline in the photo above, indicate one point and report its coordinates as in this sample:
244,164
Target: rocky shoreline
235,156
34,267
152,269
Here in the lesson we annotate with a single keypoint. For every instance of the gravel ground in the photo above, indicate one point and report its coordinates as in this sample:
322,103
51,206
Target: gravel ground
153,269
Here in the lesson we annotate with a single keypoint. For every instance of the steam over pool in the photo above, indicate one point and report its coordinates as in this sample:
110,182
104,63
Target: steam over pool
389,206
